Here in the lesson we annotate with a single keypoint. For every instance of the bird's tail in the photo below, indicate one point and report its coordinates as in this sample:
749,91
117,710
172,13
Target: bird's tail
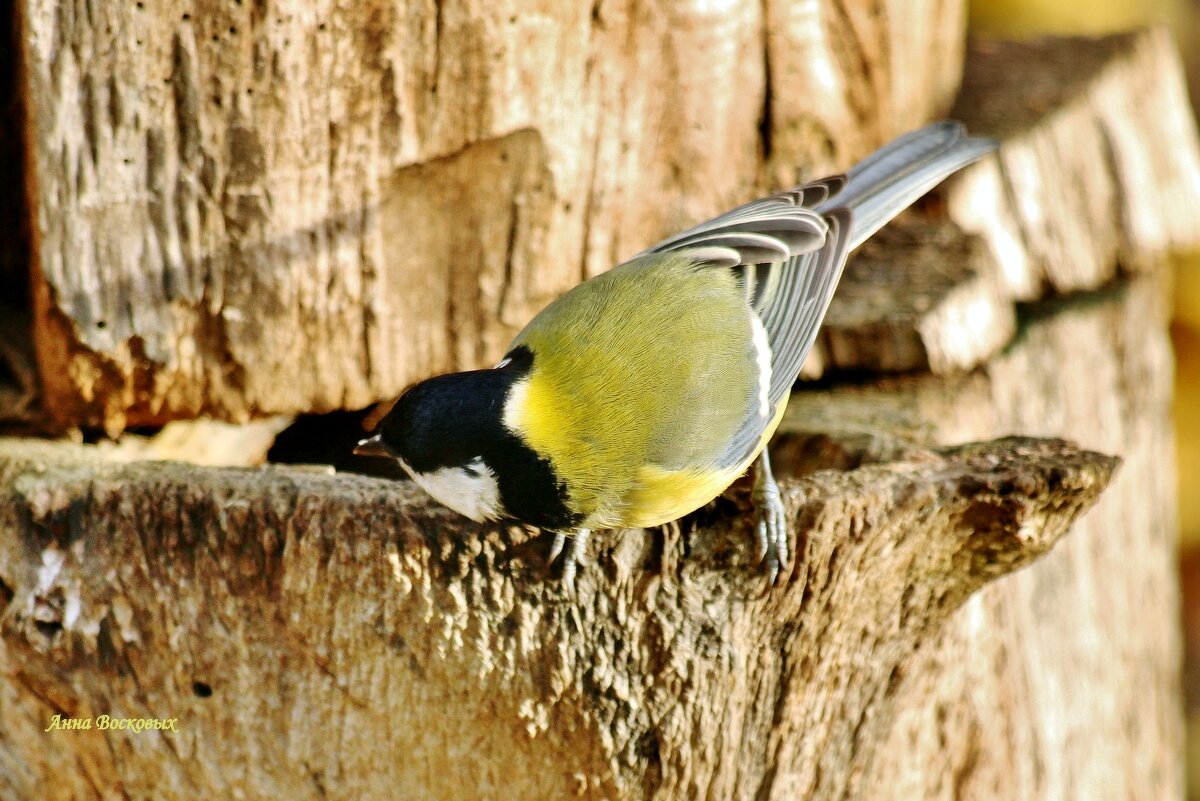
887,181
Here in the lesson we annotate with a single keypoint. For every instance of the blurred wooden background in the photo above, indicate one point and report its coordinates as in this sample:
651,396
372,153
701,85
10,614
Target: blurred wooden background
1026,18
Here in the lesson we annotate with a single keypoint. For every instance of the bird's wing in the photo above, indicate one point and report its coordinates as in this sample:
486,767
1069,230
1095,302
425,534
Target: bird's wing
789,249
788,257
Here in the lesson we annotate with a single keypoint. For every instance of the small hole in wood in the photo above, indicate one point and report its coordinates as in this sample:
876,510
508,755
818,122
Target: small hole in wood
104,323
48,628
201,689
329,439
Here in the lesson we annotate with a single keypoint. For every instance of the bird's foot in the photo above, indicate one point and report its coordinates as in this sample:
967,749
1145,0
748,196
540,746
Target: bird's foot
771,536
571,547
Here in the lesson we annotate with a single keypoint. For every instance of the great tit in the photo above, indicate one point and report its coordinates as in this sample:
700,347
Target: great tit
643,393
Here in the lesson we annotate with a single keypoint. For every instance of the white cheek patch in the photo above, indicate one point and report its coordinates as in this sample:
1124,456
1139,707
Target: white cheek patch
471,490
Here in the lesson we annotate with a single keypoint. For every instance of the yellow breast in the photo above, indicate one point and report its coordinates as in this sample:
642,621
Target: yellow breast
661,496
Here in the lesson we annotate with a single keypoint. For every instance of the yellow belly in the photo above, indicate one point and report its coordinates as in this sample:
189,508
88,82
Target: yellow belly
665,495
661,495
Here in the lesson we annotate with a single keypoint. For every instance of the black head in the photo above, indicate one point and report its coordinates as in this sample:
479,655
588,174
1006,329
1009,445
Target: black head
457,421
445,421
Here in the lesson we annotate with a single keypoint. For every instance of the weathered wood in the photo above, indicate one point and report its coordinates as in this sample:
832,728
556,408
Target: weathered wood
203,442
268,243
1098,173
256,208
920,295
1100,169
360,642
1061,681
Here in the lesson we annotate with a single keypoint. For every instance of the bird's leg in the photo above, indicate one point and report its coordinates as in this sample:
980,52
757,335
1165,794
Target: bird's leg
771,529
571,546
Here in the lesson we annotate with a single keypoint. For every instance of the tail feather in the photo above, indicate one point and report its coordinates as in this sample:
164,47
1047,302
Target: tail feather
890,179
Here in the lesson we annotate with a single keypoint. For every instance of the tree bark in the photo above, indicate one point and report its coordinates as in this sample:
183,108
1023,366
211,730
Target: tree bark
918,296
264,208
247,209
328,636
1100,169
1098,177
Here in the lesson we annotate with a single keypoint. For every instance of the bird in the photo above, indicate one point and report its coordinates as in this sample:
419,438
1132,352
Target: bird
642,393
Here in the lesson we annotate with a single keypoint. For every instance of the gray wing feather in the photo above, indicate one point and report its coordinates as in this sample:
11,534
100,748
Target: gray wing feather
890,179
789,248
790,228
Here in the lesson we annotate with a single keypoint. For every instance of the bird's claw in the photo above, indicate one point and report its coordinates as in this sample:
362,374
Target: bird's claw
570,547
771,536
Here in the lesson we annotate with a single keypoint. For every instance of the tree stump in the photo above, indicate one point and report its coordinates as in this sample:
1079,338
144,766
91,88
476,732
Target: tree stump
337,636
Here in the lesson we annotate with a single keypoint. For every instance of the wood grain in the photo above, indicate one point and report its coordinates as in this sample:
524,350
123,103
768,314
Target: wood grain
921,295
1063,680
360,642
1100,169
238,207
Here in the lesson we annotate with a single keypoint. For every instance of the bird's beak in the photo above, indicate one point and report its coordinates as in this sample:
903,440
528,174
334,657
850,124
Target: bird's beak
372,446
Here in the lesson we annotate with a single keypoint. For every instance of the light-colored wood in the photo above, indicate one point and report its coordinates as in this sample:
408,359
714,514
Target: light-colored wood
249,208
342,637
920,295
1098,175
204,442
1061,681
290,190
1100,170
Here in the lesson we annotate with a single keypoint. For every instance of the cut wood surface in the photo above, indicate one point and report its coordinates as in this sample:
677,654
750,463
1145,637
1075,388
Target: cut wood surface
350,307
920,295
1100,168
1098,174
246,209
1061,682
342,637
